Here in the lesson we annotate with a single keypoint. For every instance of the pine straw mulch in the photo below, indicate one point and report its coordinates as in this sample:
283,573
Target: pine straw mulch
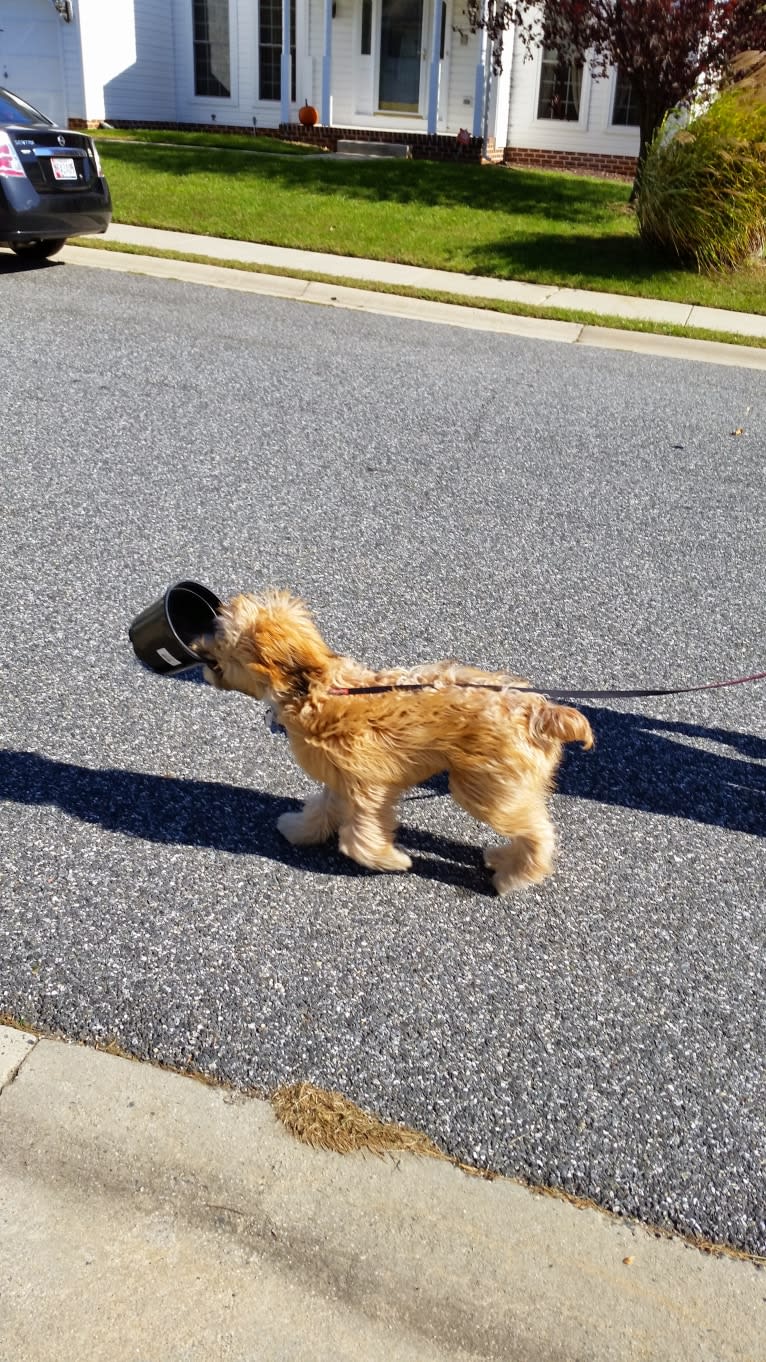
328,1120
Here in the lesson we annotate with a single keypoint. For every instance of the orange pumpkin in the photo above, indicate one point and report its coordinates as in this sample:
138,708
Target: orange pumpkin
308,115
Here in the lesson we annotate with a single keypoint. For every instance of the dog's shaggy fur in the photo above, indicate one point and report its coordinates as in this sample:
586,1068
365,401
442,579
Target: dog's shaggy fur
501,747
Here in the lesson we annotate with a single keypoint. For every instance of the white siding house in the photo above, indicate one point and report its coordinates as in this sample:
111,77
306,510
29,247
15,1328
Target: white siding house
593,127
397,70
35,61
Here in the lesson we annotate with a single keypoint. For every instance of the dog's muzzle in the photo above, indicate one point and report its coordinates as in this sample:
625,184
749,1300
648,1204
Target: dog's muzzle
213,672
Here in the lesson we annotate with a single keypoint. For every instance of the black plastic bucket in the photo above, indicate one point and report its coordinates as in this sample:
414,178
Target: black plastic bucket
162,633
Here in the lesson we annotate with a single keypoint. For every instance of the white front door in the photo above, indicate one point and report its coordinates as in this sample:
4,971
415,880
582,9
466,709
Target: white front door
392,56
31,61
401,65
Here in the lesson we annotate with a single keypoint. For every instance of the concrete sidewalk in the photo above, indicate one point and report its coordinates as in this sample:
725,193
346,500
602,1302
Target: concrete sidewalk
145,1217
473,286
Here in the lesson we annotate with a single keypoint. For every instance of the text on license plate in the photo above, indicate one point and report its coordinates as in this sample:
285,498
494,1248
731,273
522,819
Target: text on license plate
63,168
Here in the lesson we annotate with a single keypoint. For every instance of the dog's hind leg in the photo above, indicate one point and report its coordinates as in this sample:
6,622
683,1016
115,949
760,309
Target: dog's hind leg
526,859
320,817
367,835
519,814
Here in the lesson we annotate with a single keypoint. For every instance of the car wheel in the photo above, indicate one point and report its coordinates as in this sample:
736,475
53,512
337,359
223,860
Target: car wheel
38,250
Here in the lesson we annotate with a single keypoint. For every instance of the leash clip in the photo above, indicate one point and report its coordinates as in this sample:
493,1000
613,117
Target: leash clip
276,729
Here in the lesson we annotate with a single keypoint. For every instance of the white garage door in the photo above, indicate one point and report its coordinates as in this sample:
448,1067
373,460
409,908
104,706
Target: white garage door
31,61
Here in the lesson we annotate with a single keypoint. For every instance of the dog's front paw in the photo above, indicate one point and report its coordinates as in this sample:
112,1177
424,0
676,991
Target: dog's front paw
293,827
378,858
394,859
492,855
506,883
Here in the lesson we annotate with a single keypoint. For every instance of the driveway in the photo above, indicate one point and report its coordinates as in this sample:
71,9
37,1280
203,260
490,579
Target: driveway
588,518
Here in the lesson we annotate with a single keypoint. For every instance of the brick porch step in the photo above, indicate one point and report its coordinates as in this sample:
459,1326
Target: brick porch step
347,147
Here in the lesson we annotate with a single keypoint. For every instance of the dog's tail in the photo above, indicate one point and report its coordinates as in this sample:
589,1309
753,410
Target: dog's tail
562,723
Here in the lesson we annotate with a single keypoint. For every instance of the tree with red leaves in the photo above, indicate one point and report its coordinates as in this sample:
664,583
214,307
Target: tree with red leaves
663,47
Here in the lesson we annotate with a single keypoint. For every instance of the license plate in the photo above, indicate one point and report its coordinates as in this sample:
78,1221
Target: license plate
63,168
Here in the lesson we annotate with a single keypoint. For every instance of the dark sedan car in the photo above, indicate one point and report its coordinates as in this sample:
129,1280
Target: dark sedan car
51,182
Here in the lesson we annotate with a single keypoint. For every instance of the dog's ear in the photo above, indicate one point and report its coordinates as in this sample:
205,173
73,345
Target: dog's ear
279,643
561,723
247,651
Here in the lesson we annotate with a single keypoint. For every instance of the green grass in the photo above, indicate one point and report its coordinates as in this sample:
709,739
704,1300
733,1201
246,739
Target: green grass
212,141
507,224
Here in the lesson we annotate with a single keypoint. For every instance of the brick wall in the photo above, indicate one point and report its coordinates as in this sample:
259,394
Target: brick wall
439,148
128,123
580,162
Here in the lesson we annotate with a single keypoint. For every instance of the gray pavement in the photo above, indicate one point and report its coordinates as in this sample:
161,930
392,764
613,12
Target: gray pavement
448,281
357,299
580,515
147,1218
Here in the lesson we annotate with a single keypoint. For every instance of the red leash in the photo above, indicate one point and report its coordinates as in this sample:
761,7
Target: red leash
551,694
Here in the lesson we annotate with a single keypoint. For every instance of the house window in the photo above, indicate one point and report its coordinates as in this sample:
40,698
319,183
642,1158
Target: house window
212,60
625,109
366,48
560,88
270,49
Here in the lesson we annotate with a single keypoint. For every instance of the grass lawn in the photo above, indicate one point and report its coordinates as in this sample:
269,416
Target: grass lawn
508,224
221,141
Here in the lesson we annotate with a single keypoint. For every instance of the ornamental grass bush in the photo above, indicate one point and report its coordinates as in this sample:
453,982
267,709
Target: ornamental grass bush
703,189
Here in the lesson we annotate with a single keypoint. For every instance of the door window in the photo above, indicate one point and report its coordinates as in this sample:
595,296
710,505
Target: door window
401,46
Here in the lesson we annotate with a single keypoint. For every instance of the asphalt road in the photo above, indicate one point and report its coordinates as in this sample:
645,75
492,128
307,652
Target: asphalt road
583,516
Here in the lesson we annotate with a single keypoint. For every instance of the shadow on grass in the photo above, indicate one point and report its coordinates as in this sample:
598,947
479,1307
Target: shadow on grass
498,222
614,263
428,183
590,260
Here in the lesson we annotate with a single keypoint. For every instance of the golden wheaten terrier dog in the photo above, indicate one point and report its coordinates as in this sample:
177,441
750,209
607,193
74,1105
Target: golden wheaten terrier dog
367,738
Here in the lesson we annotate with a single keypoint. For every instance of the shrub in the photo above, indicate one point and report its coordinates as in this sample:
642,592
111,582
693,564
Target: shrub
703,189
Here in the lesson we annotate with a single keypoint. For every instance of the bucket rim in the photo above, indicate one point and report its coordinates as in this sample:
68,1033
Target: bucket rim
197,589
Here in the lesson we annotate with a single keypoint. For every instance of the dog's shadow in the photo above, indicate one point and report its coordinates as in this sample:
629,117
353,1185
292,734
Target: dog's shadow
669,767
197,813
645,764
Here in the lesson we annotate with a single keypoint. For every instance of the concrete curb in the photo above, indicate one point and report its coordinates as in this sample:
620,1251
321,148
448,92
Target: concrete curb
447,281
147,1216
14,1049
415,309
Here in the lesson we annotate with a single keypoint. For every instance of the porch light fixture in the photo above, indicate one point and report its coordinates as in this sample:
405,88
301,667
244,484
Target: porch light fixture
64,9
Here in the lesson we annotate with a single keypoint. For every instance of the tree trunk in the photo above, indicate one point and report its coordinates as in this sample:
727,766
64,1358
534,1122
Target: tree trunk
642,150
649,121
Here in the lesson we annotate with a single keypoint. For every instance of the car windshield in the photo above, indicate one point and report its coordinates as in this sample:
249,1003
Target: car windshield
17,111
